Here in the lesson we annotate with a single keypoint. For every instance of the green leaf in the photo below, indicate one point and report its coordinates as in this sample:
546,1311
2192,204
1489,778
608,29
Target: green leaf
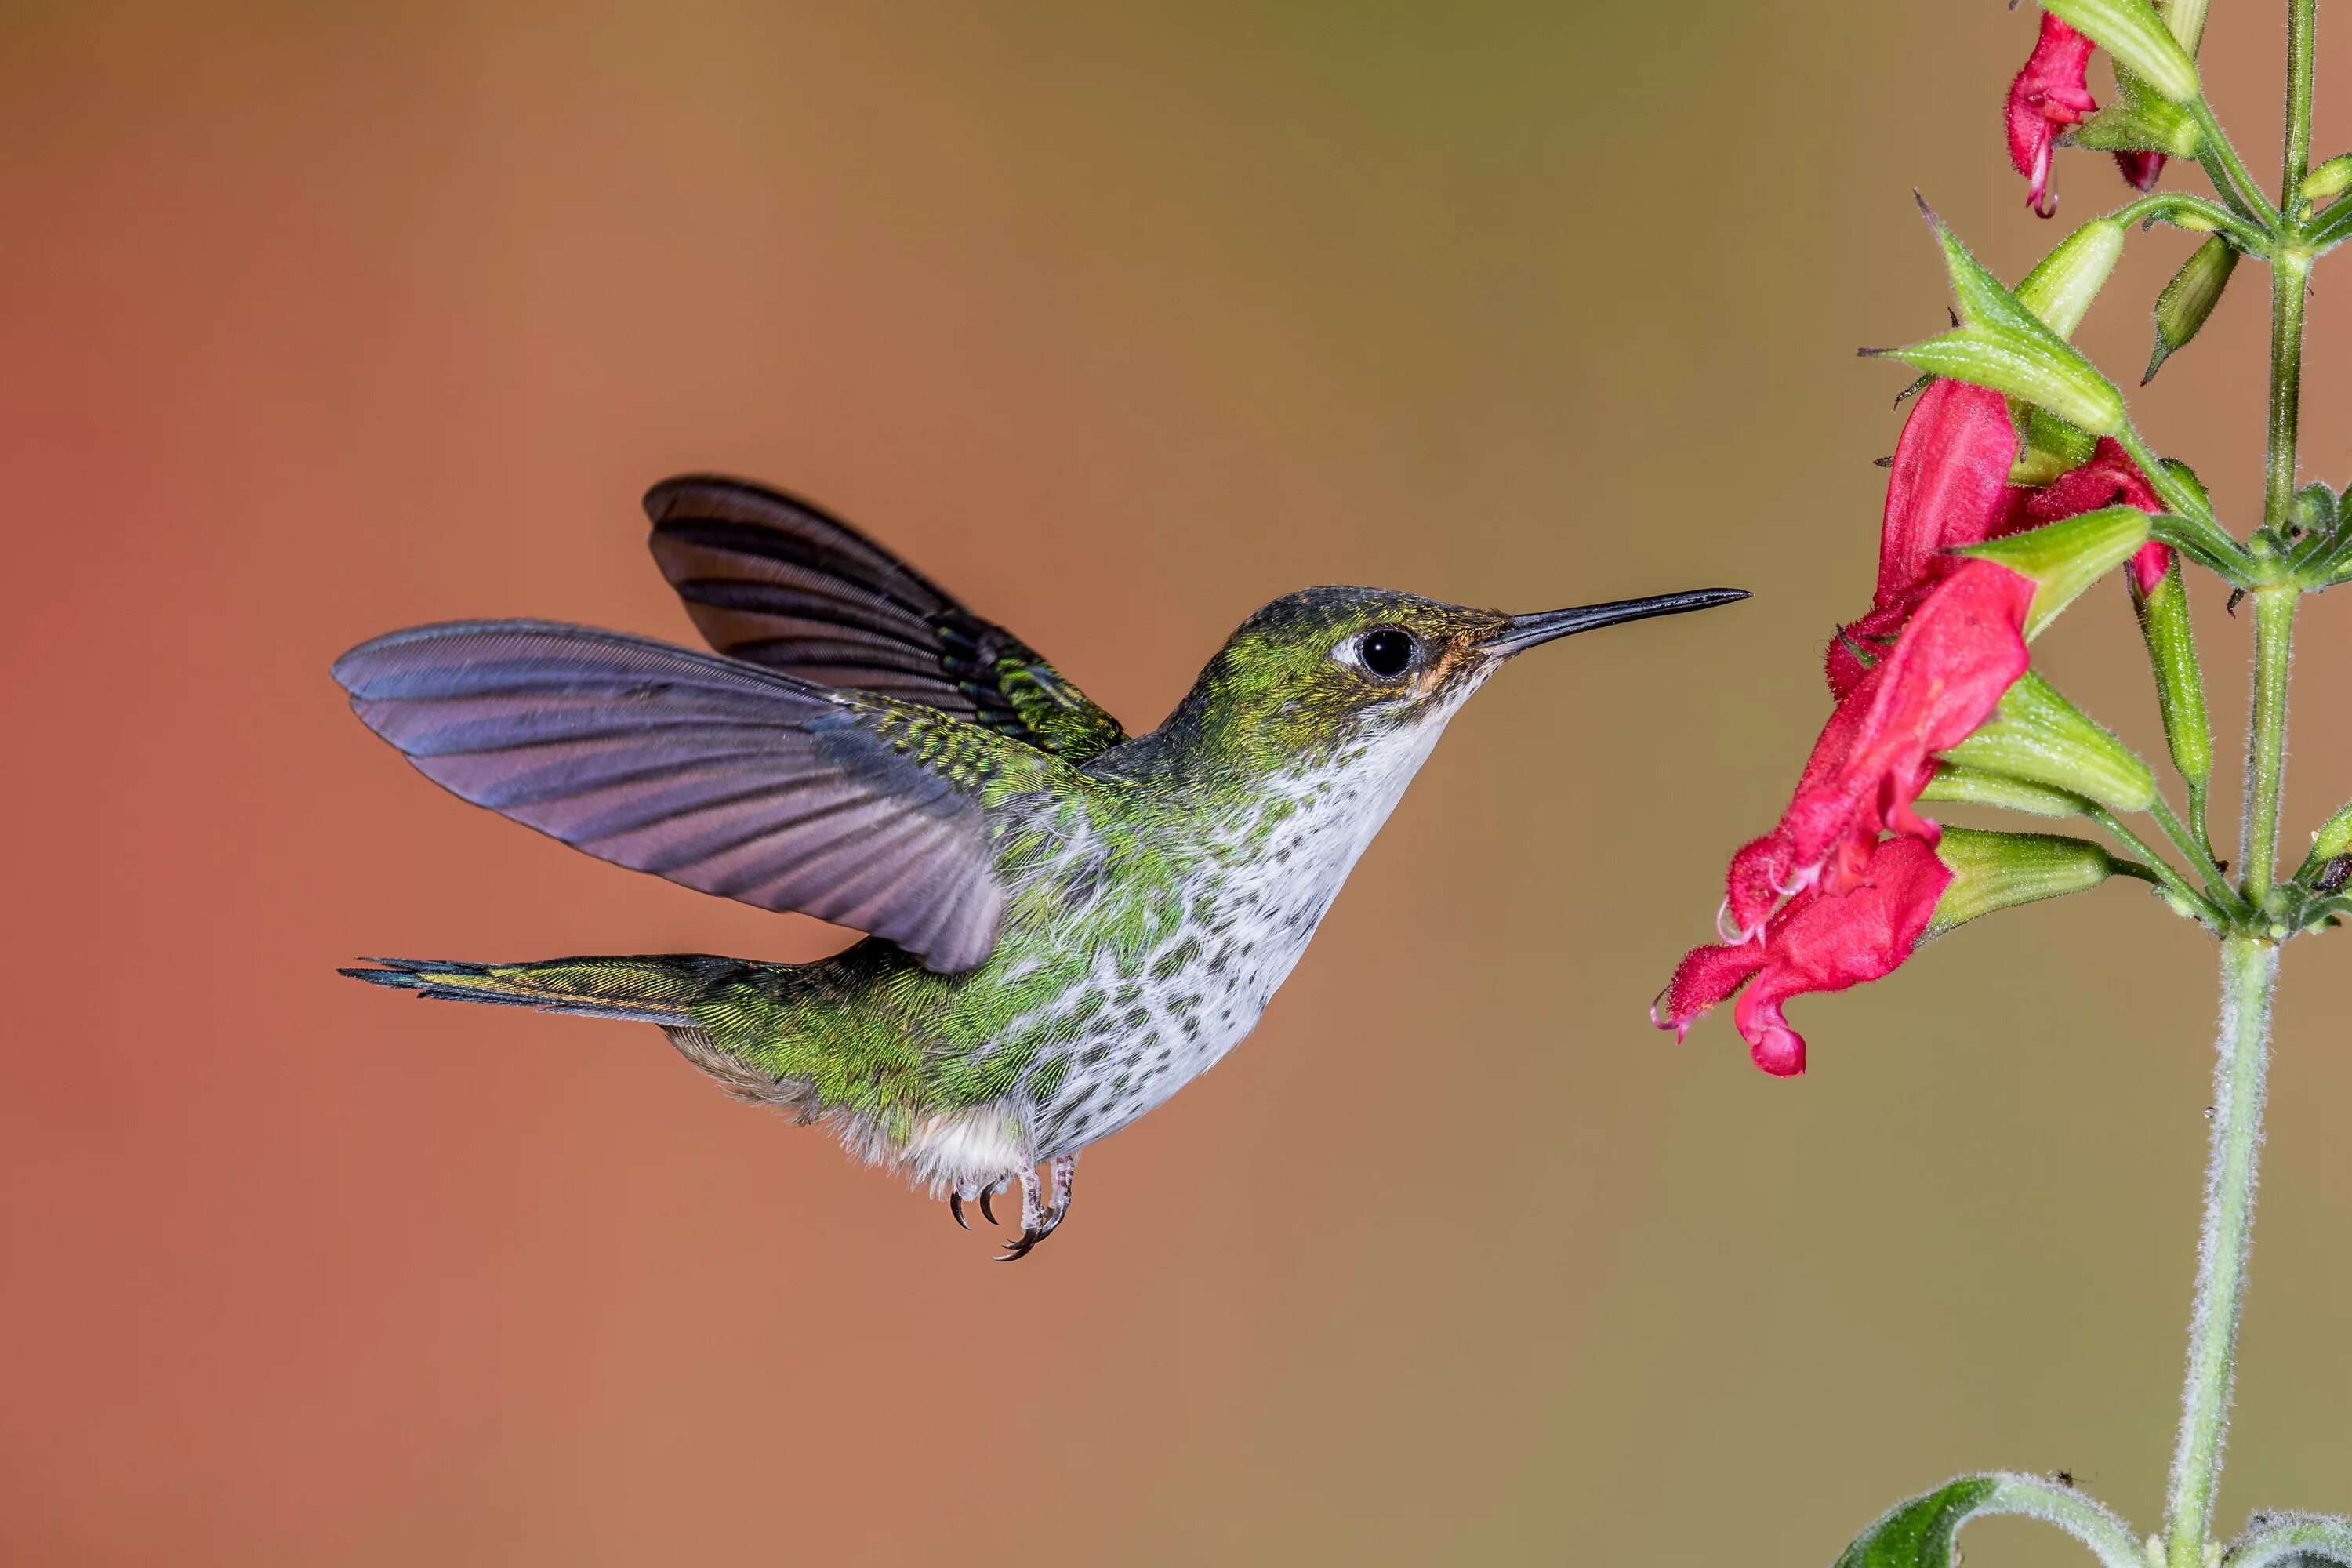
2293,1540
2065,557
1921,1533
2137,36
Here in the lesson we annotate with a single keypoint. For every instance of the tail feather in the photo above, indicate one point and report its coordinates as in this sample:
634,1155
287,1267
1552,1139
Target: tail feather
639,990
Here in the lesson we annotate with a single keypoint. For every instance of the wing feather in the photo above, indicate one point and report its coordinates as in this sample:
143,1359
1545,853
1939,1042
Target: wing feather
718,774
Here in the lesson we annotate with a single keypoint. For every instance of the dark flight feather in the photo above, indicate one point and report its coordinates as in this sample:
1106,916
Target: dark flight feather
777,582
714,774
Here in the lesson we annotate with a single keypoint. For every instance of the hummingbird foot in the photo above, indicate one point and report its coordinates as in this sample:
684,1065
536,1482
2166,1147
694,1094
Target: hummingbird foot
955,1202
1034,1228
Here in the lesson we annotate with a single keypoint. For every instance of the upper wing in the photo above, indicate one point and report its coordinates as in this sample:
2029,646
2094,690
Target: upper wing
718,774
777,582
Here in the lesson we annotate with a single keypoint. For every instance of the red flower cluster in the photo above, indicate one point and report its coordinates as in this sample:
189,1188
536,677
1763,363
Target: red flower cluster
1840,890
2051,93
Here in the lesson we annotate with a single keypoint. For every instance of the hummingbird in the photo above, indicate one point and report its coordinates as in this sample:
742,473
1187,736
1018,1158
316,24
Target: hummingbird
1064,923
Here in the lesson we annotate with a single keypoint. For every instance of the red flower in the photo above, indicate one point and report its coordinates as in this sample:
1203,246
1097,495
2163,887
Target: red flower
1963,647
1817,941
2109,479
1948,486
2049,94
2141,170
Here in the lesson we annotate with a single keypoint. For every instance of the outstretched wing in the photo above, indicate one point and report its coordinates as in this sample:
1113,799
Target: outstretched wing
718,774
778,582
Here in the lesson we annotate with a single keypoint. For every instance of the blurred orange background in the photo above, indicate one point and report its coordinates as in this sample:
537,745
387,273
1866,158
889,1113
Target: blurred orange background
1119,320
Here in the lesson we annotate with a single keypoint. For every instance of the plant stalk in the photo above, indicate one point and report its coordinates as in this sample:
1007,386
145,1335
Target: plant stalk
2249,968
2266,745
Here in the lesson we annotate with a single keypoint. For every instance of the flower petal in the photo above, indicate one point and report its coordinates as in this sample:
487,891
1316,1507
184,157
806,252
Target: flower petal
2049,93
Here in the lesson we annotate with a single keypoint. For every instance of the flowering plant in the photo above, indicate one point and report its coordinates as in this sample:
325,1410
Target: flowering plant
2020,481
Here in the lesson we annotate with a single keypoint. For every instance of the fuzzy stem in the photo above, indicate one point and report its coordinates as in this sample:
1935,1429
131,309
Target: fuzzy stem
2228,171
2249,968
2193,845
2160,869
2266,745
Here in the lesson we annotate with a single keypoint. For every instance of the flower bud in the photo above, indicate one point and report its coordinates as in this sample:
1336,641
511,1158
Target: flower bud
2065,557
2051,448
2190,298
2038,736
2315,508
2328,181
2137,36
1995,871
2180,681
1966,786
2333,837
2062,284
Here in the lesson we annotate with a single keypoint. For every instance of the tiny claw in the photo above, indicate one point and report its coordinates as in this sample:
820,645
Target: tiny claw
955,1207
1014,1251
986,1213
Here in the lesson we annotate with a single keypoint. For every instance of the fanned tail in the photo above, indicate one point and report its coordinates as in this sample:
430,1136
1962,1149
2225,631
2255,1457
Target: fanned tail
639,990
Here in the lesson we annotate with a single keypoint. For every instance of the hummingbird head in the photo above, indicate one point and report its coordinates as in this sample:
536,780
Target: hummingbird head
1330,671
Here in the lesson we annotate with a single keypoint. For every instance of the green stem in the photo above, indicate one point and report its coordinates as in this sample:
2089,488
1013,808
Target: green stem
2176,495
2174,207
2228,171
2193,845
2301,20
2249,968
2164,871
2266,746
2290,273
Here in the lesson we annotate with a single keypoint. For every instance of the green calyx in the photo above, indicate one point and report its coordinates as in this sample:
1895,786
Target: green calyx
2179,680
2328,181
2062,284
2181,310
1966,786
2066,557
1996,872
2037,736
2003,344
2132,32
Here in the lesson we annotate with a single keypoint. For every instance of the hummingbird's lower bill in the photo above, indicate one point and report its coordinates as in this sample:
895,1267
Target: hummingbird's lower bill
1067,923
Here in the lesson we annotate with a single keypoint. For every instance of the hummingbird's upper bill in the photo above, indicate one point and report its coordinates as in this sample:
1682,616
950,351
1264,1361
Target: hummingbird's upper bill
1525,632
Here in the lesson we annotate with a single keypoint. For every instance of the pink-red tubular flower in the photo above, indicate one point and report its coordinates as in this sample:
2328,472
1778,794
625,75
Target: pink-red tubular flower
1817,941
1963,648
2109,479
2048,95
1948,487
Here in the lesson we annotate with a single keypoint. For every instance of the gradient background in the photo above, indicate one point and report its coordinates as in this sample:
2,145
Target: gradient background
1119,320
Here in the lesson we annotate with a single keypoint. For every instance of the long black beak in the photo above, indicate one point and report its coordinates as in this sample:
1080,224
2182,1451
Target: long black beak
1526,631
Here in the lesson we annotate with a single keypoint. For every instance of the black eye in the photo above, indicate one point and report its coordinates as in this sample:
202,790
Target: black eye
1387,653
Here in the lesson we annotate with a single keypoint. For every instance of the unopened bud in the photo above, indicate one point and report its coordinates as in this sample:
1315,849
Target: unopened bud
2328,181
2333,837
2141,122
2179,680
1995,871
1966,786
2038,736
2132,32
2062,284
2190,298
2065,557
2051,448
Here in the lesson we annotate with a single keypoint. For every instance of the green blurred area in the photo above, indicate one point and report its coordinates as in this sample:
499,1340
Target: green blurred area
1120,321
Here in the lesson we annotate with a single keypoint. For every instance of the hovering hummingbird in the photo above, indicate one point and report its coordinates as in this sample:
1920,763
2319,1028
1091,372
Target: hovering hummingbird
1067,923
